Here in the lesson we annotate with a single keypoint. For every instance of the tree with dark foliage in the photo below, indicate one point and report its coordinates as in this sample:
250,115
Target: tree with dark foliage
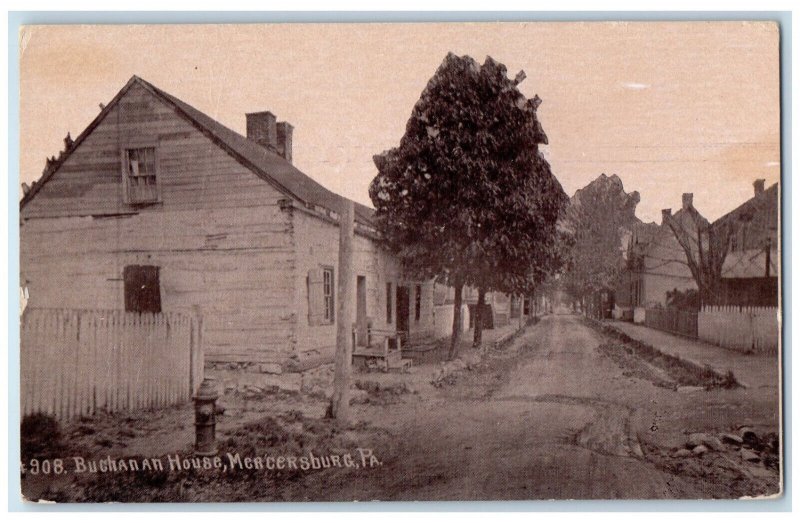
467,197
598,218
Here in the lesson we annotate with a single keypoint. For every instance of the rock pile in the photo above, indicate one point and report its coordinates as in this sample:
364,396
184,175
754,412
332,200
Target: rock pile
745,443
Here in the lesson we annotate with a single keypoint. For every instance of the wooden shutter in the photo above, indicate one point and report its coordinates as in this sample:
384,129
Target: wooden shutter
142,288
316,297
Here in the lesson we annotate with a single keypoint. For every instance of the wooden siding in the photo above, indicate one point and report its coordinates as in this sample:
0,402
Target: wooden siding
318,245
665,267
224,245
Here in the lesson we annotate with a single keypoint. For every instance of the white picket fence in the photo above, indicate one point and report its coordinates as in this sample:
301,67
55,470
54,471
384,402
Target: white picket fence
78,362
749,329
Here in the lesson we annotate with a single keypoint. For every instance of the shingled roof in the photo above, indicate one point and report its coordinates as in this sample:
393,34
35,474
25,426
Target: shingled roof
766,201
267,164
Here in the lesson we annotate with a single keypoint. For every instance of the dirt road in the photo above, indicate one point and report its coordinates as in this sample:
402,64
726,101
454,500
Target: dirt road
552,418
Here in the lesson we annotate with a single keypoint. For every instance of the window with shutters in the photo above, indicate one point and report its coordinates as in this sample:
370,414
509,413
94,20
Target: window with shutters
321,296
140,177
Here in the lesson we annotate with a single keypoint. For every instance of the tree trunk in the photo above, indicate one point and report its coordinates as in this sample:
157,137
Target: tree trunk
339,408
454,339
477,337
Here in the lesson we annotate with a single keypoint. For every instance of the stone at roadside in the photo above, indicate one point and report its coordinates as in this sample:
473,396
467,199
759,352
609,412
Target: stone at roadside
690,388
695,439
749,455
320,392
744,429
472,360
747,432
682,453
317,379
749,437
700,438
760,471
731,439
700,450
713,443
359,397
772,442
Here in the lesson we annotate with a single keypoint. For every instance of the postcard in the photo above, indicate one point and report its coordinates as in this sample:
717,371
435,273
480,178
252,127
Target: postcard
400,262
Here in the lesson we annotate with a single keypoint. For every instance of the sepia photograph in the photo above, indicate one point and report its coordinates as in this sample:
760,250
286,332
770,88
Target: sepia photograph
484,261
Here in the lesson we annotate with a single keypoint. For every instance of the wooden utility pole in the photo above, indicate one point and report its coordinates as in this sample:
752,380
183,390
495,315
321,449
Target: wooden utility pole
340,402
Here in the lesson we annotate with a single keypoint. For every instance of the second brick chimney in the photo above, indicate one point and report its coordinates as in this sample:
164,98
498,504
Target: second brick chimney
758,186
264,129
686,200
285,130
665,215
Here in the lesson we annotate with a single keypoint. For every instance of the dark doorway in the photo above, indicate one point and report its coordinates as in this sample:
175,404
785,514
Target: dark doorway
142,288
361,311
403,299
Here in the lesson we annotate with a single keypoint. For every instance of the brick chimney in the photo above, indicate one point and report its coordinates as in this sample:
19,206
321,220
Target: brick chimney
758,186
665,214
686,200
285,130
262,129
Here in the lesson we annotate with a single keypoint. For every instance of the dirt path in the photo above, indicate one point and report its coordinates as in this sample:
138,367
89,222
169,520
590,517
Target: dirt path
553,430
565,423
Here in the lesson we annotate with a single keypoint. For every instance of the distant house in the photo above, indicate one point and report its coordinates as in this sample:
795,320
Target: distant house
158,207
750,270
629,291
656,263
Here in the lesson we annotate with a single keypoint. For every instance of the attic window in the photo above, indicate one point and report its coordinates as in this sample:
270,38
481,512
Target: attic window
139,168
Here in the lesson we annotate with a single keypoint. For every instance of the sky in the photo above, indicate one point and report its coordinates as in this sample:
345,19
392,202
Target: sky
668,107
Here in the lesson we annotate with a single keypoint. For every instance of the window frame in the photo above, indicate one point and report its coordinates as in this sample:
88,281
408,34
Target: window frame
328,295
417,302
389,304
126,175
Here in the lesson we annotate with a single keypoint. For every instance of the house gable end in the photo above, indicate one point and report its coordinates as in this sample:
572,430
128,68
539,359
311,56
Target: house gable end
87,179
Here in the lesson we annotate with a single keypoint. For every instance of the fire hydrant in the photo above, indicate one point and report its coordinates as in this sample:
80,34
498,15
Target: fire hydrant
205,419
